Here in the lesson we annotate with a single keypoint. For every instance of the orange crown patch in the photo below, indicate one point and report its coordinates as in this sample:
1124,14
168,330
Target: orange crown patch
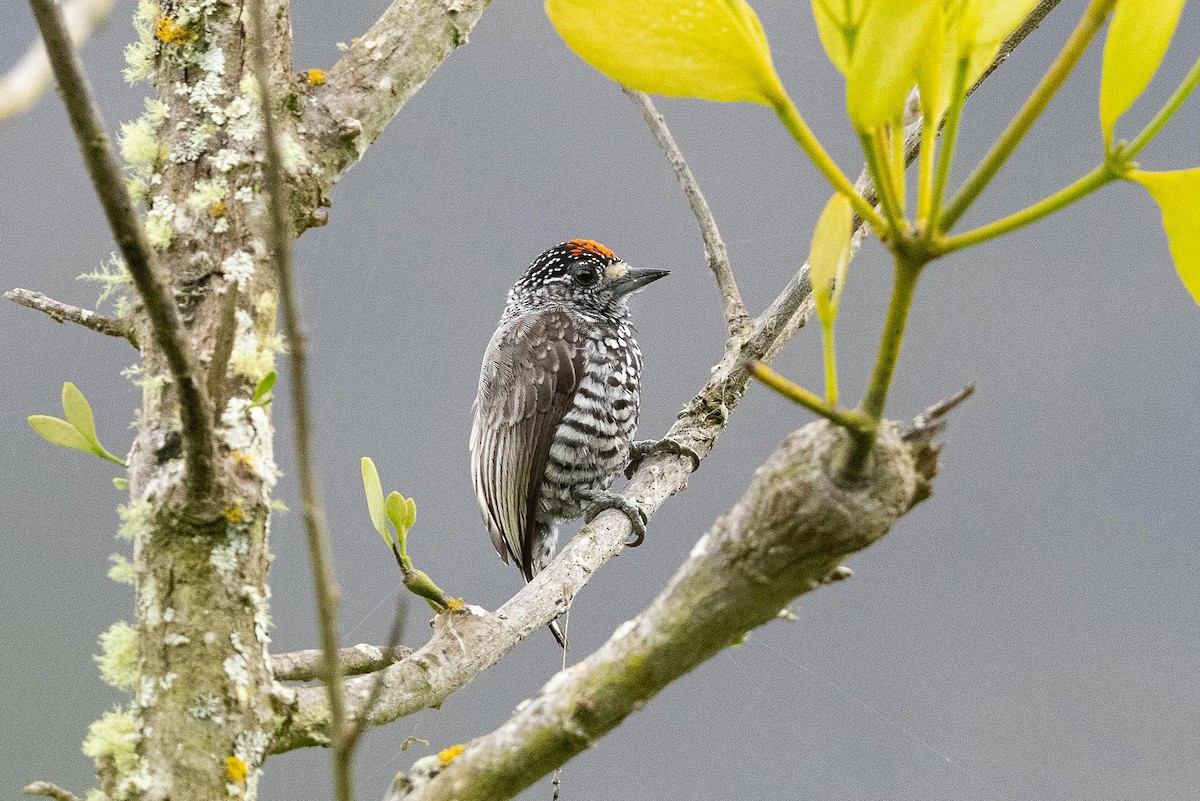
580,246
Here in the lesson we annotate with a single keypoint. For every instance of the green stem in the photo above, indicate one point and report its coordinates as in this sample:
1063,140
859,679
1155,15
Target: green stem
958,96
831,380
1091,22
1056,202
1164,114
808,142
881,174
925,170
849,419
896,138
903,289
104,454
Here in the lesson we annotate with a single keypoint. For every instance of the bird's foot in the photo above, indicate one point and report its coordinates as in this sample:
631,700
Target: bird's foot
599,500
639,450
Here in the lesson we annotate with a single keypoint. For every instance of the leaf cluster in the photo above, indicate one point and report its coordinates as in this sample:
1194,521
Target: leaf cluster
401,514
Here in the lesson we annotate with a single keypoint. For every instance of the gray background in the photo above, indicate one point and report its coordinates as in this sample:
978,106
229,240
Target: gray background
1031,632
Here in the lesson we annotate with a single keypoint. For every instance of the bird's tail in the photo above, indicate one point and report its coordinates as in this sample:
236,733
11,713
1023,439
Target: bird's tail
558,633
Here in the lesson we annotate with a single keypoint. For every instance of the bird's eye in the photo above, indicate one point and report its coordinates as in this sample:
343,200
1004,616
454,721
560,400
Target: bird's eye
586,276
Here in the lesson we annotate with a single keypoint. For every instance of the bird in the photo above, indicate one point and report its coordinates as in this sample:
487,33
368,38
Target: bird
557,406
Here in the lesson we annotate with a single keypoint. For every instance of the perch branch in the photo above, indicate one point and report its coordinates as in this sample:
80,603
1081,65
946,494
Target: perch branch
165,323
61,312
382,69
786,536
736,317
465,643
353,661
22,85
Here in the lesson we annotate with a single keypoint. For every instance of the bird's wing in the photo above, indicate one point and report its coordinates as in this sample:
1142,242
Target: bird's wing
530,373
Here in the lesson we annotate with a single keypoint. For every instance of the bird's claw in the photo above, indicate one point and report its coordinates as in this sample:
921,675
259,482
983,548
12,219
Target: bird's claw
639,450
599,501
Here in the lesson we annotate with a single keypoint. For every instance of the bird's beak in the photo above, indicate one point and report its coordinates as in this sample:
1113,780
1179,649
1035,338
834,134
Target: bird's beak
630,279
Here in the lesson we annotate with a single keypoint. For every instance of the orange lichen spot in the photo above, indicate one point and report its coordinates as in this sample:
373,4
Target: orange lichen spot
218,210
455,604
169,31
448,755
234,514
243,459
236,769
581,246
315,77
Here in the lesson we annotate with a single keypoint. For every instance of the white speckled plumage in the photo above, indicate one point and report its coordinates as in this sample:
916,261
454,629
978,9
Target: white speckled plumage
558,398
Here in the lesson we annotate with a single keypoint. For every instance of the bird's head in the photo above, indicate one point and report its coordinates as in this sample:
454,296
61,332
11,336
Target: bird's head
581,274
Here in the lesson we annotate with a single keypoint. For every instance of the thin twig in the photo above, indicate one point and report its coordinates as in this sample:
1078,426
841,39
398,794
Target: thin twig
736,316
22,85
319,552
50,790
169,334
930,422
354,660
61,312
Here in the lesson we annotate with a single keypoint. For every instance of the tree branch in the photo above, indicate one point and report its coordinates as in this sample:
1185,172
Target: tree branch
736,316
50,790
786,536
353,661
63,313
379,73
465,643
165,323
21,86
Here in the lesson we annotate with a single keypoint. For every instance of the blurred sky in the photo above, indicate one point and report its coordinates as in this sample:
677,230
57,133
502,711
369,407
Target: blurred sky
1030,632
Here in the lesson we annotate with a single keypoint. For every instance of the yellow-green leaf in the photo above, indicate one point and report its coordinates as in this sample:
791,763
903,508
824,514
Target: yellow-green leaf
59,432
410,512
887,51
829,258
1176,194
935,71
710,49
374,492
1137,41
397,512
838,22
79,413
